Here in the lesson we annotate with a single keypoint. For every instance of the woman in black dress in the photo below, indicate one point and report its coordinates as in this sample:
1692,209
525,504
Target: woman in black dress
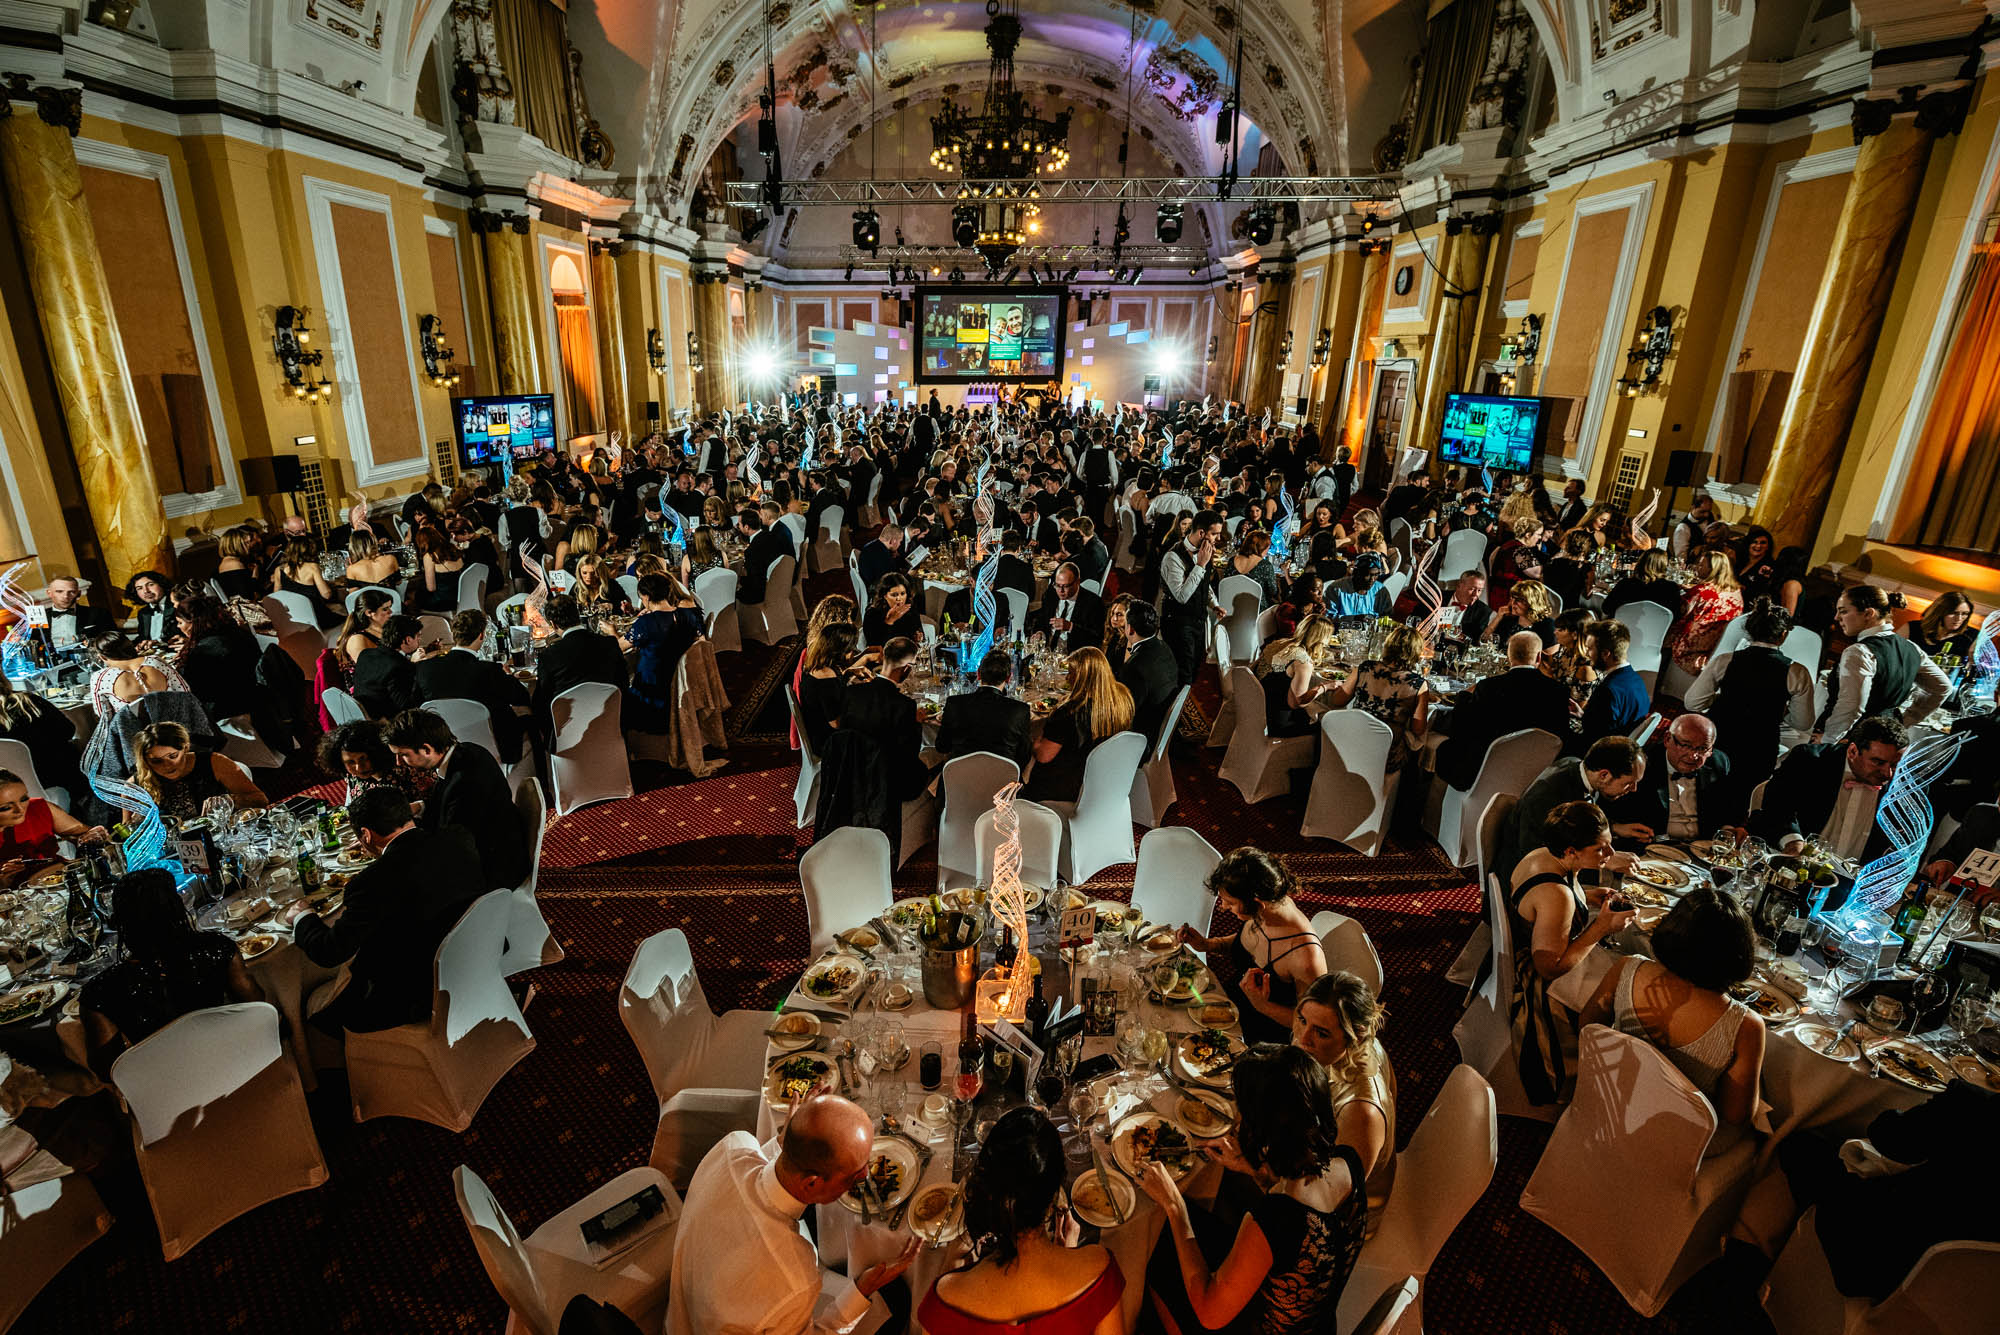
298,573
1095,706
180,779
665,630
828,655
892,611
219,660
1275,949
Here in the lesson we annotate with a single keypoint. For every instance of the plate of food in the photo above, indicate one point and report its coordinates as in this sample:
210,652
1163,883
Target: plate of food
835,979
253,946
1044,705
1111,914
1065,897
1911,1064
26,1003
1179,981
801,1075
861,938
1216,1013
1767,999
1146,1138
892,1176
1162,941
1032,897
908,914
47,876
965,898
1207,1056
1205,1116
1665,853
1977,1069
937,1215
1088,1202
1672,876
1643,896
1827,1041
794,1030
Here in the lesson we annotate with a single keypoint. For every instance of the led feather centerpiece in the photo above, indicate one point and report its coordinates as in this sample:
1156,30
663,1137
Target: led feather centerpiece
1003,992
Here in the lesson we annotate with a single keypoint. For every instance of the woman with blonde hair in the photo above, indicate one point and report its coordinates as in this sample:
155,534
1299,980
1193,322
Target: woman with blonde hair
704,553
1715,600
1338,1023
1094,706
1529,607
1285,669
1367,534
833,609
596,590
367,563
582,540
714,513
1392,688
237,548
181,779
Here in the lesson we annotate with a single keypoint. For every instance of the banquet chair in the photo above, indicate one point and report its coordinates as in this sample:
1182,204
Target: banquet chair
436,628
1128,530
1345,943
845,877
860,589
1352,789
1403,540
341,707
629,586
1464,550
773,619
1153,792
1649,623
1947,1292
1493,822
1096,586
472,582
1016,601
1395,1312
354,597
587,760
870,510
794,524
1224,723
441,1070
1638,1122
43,1227
18,760
1643,733
530,943
1259,764
1443,1173
805,793
296,628
1170,884
969,783
1041,844
828,545
1511,763
1097,827
536,1276
715,592
219,1120
469,721
242,743
1239,596
1757,795
1397,583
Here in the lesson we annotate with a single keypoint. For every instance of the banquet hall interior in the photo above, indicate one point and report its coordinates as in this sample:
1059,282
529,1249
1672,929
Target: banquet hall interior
1335,656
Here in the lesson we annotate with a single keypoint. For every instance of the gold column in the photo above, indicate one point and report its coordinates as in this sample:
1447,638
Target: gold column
508,286
1361,358
1448,354
1840,341
611,341
1222,328
715,384
79,328
1266,371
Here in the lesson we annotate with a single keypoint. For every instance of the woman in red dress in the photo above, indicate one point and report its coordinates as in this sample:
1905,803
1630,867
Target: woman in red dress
30,827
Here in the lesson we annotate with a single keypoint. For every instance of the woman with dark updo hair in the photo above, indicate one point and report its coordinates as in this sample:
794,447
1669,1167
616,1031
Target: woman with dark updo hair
1019,1277
1275,951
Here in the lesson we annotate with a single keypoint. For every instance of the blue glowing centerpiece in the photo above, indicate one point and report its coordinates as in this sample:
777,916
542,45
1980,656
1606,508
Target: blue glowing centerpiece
1906,817
1287,525
146,846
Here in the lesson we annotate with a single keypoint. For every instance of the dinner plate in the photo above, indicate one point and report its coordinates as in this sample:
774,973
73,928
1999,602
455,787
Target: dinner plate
796,1029
1975,1070
1146,1138
1821,1038
964,899
1207,1056
1217,1013
47,876
1665,853
259,944
1163,941
1910,1064
1644,896
834,979
28,1003
937,1215
1670,876
892,1168
1088,1202
861,938
1205,1116
908,914
1703,850
1110,913
799,1075
1767,999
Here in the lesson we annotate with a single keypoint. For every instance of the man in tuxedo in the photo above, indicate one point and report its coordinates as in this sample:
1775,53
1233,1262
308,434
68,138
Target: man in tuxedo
1097,469
1834,790
1469,597
1521,697
1069,615
825,497
767,544
1015,570
577,655
1619,702
858,476
1149,671
1037,528
470,793
462,674
881,556
874,756
1574,506
1081,544
1686,790
1401,500
398,911
1610,769
71,623
987,719
685,499
385,680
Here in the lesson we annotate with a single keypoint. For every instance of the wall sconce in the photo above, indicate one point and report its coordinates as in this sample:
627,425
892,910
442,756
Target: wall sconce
694,351
1655,345
437,357
289,341
1210,358
1530,345
1322,348
656,352
1285,349
1392,350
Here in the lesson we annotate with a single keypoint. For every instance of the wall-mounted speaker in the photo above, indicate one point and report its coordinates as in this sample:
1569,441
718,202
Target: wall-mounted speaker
1683,468
273,475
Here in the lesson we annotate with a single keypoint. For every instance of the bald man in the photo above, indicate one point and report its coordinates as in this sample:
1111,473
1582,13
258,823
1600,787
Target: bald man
1685,792
1521,697
742,1263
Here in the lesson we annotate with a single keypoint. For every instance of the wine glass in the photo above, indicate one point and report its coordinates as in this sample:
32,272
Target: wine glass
219,811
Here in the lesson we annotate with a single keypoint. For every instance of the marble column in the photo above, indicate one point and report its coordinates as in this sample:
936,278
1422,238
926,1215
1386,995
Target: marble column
79,327
508,286
715,383
610,327
1448,354
1353,424
1266,371
1847,317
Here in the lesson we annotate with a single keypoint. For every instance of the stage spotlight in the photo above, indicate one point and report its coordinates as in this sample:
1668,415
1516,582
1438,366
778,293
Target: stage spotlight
1167,224
1014,273
1260,225
1367,223
868,230
964,224
1133,278
957,275
1075,269
1122,232
848,277
1170,359
762,363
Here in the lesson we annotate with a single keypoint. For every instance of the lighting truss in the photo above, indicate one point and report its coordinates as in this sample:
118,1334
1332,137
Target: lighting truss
1076,190
1089,258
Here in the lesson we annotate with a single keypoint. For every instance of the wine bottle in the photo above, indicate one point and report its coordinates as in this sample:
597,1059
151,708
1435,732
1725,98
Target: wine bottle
971,1053
1038,1012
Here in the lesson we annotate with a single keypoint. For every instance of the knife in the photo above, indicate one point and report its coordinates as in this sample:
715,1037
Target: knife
1104,1185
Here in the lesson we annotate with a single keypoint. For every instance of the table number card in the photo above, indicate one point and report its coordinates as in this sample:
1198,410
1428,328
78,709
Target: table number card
192,855
1981,866
1077,927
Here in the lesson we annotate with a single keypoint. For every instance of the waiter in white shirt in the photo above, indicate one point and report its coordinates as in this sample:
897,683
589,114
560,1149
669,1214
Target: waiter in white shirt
1881,672
743,1264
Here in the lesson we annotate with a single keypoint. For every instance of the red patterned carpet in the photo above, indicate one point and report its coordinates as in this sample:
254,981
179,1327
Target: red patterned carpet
381,1248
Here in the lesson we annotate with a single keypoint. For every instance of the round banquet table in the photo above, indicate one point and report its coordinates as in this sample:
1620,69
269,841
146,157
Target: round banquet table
845,1241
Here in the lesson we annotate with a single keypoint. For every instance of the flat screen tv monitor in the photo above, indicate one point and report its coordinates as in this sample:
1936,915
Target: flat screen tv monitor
992,333
512,426
1490,431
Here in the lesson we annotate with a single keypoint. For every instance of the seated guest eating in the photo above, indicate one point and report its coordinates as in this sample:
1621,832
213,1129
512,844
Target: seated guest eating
1685,790
461,674
1834,790
181,779
470,793
987,719
1275,949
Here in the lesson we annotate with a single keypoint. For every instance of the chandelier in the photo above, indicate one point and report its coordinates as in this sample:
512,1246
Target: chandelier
1003,146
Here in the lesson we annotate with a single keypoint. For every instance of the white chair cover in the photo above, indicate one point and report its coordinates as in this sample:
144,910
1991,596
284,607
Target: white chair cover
1352,789
1041,844
773,619
695,722
1097,828
629,586
715,592
693,1120
805,793
1464,550
1438,1179
683,1043
1396,583
869,508
1649,623
1734,636
1949,1291
20,761
860,589
472,582
828,543
845,877
250,1139
296,628
1397,1311
1643,733
795,524
242,743
1636,1121
969,782
1757,795
530,943
43,1227
469,722
1240,596
1511,764
538,1275
1096,586
1499,812
1128,529
1153,791
1258,764
1224,723
1170,885
1017,608
442,1070
1345,943
353,597
1401,539
341,707
587,761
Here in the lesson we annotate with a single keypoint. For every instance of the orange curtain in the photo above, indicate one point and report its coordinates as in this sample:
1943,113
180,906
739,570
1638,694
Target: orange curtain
579,363
1960,448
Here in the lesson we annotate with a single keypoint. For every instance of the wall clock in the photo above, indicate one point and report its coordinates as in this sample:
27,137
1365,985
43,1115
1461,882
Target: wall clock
1405,277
